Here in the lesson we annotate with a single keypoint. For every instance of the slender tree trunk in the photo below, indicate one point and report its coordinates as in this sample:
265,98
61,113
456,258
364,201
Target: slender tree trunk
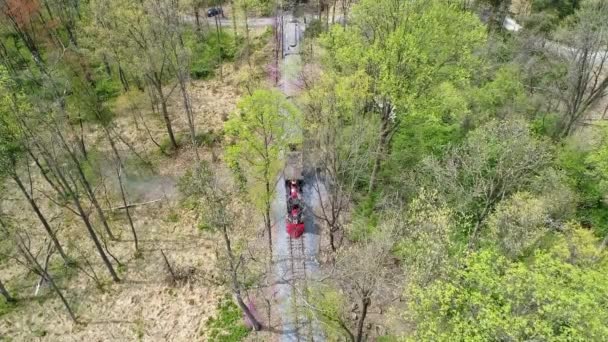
267,213
85,218
169,267
83,147
197,18
94,237
43,273
69,192
236,33
44,172
383,142
45,223
183,85
236,286
333,13
219,42
247,39
121,185
5,293
165,112
123,78
87,185
365,302
106,65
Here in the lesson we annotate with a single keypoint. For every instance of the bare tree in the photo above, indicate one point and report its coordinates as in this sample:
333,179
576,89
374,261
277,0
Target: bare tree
365,274
221,209
37,268
495,161
585,54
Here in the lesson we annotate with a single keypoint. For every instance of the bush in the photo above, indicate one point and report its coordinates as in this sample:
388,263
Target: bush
209,138
228,325
206,51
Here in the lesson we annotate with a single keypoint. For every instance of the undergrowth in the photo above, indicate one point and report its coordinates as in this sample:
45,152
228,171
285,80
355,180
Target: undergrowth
227,325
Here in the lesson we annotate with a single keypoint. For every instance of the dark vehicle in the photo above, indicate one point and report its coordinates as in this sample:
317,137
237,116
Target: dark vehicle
213,11
293,184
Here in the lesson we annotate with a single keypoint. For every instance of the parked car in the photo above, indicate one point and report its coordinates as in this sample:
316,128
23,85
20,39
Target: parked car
213,11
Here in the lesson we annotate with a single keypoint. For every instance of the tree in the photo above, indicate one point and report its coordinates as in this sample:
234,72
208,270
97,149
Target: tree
494,161
139,29
518,223
405,57
426,238
342,138
364,274
12,150
491,298
499,9
264,124
220,209
585,82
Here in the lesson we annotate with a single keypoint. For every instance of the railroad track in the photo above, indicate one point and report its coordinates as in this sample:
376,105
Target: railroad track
298,258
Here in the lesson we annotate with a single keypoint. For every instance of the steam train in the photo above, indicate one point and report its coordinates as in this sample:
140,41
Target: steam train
294,182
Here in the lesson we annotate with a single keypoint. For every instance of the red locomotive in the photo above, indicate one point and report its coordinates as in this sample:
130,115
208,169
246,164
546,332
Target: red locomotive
293,184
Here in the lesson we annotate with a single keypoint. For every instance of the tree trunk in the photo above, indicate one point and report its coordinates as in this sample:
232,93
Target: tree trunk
85,218
236,286
267,216
45,223
123,78
71,194
122,189
197,18
183,85
365,302
43,273
257,326
383,141
5,293
44,172
247,39
94,237
236,34
219,42
165,112
83,148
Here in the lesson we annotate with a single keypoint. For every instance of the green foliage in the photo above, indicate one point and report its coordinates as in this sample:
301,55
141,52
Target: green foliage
586,174
209,138
6,307
227,325
12,103
562,8
207,50
330,306
492,298
496,160
314,28
518,223
264,124
427,240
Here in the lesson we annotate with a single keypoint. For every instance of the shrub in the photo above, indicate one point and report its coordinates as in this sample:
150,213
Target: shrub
228,325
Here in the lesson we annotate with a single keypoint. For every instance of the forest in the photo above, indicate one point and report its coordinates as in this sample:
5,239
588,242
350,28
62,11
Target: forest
454,187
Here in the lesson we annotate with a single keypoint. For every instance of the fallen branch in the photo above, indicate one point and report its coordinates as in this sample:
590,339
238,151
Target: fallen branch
134,205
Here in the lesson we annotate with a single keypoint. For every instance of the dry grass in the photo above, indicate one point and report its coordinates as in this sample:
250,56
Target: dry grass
145,305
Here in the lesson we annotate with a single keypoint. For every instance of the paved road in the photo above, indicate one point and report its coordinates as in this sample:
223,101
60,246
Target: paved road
252,22
295,259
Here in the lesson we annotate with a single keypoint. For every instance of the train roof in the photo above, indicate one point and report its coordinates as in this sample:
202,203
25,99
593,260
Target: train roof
293,166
